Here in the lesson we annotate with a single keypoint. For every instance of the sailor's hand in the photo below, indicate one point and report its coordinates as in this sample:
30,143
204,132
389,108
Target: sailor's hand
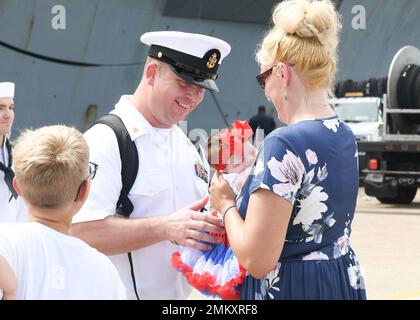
190,227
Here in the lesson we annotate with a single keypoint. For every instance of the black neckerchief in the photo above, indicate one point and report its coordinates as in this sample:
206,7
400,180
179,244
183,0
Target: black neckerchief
8,172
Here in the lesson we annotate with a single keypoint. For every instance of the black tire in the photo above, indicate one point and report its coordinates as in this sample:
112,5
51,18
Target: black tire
406,87
414,94
403,87
405,196
416,91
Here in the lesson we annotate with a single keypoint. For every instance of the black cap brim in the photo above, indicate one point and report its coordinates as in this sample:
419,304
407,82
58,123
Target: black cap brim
208,84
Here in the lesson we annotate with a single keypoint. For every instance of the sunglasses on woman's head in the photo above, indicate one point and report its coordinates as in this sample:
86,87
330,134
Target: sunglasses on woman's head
262,77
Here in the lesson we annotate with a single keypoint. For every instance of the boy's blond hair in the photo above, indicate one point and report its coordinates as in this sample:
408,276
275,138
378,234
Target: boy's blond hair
50,164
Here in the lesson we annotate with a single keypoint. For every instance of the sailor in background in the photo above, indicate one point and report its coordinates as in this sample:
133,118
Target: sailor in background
171,185
12,208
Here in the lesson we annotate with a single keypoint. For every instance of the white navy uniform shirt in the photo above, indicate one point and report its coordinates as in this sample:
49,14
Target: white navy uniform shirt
166,182
14,210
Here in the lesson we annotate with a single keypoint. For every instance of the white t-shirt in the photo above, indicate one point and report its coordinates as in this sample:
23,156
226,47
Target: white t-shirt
51,265
167,181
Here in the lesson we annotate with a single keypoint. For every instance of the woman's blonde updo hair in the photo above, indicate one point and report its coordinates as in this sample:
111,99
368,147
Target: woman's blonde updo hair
304,34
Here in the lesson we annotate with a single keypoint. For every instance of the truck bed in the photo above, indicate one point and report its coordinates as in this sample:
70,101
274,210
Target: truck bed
390,146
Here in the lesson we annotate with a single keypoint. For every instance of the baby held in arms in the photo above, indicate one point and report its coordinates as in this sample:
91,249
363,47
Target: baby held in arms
217,272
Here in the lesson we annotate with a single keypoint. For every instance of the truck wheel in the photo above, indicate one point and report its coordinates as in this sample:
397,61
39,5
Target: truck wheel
405,196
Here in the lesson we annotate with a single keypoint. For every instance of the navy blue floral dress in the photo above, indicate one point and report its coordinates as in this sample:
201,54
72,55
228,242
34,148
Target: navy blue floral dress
313,165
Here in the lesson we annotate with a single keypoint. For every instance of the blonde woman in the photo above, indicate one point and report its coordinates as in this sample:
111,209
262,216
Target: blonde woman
291,224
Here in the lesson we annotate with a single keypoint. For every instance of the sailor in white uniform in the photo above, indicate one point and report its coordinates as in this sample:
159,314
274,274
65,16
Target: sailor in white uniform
171,185
12,207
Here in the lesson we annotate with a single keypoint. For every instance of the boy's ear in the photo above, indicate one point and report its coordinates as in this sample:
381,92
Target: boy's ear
84,191
16,186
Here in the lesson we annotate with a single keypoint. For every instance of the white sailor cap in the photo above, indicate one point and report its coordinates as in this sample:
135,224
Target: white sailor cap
7,90
193,57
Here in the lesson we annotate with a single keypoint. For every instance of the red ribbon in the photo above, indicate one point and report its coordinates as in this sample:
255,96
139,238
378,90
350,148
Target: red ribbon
244,128
235,137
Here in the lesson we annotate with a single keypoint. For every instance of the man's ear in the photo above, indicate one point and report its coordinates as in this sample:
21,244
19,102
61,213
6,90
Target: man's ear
151,73
16,186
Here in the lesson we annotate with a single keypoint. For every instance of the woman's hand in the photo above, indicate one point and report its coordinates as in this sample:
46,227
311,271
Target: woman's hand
221,194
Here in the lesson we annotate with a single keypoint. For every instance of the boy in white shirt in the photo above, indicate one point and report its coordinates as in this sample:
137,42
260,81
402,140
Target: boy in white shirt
40,259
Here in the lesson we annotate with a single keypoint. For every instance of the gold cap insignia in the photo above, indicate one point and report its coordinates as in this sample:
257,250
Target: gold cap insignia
212,61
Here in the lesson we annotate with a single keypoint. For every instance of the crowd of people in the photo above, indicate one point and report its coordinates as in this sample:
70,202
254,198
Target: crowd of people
273,222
